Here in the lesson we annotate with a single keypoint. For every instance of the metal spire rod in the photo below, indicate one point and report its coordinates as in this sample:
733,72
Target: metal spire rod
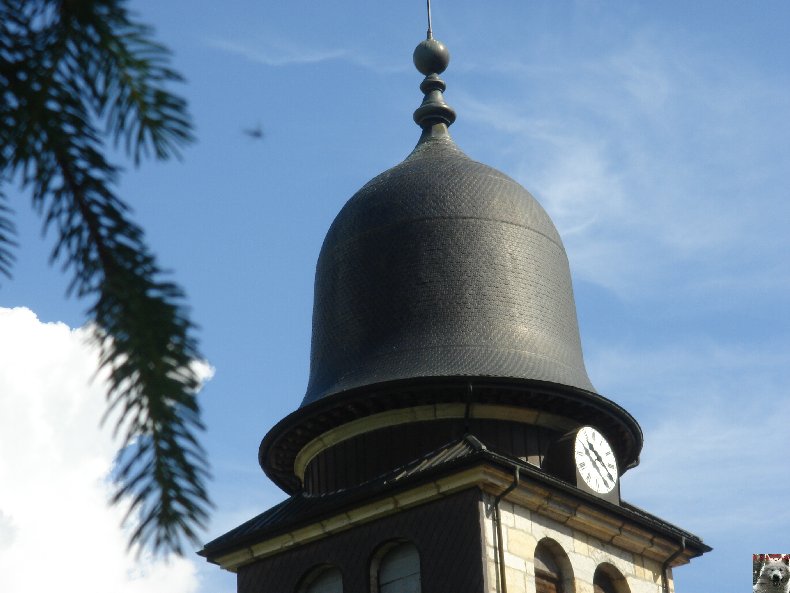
430,31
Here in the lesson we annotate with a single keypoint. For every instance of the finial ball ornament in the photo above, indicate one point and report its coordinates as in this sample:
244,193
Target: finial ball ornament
431,57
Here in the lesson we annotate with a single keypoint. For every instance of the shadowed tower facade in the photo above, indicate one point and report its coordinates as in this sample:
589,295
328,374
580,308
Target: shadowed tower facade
450,438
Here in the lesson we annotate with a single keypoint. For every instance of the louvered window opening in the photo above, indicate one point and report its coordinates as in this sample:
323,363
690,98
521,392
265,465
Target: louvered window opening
602,583
547,574
329,581
399,571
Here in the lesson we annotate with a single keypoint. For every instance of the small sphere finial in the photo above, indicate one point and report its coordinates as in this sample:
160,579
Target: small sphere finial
431,57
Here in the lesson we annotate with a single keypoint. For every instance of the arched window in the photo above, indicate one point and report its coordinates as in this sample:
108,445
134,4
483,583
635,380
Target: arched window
324,579
553,572
607,579
547,574
399,569
602,583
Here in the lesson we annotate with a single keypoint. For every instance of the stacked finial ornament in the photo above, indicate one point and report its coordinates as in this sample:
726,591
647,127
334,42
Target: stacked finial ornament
431,58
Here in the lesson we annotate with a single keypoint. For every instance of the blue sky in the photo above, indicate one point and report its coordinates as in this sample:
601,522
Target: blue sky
656,136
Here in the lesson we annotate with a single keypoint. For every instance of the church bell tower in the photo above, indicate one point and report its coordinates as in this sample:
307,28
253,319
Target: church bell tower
450,439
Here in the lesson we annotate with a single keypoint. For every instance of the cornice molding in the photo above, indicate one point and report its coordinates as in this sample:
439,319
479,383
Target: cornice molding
608,526
449,411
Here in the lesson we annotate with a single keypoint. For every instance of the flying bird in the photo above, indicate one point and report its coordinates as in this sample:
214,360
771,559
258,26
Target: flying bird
255,133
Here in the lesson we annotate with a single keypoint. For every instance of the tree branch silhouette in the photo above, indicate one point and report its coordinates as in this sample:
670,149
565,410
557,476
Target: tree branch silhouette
74,74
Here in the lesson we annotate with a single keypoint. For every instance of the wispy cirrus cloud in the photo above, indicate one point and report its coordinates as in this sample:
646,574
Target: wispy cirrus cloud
277,54
715,430
706,407
654,153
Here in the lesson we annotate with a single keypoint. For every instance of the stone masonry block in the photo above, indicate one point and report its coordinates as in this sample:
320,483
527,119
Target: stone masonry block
545,527
491,552
640,586
521,543
557,510
639,571
583,566
580,543
523,518
652,570
515,562
516,580
508,515
492,575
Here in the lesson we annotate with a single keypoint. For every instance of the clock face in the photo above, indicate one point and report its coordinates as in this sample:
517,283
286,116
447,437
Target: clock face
595,460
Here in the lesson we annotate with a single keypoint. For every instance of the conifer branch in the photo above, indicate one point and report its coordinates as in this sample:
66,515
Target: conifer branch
67,67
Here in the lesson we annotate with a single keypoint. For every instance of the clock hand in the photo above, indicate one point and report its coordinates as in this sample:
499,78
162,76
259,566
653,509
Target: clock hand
606,469
603,463
594,460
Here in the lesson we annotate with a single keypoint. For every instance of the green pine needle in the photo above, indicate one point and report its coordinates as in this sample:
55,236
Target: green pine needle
73,74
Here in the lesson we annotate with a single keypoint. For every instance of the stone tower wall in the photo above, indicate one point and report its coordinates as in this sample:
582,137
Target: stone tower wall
523,529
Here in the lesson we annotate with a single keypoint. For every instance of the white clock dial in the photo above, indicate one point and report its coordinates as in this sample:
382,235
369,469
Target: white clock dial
595,460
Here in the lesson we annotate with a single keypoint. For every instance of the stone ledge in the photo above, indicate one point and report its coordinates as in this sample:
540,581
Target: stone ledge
536,497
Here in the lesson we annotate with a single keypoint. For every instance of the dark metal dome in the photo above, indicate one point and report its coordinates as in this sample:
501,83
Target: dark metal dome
440,267
443,299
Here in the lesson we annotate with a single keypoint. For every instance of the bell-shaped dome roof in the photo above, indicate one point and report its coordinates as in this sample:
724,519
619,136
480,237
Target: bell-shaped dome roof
438,267
442,297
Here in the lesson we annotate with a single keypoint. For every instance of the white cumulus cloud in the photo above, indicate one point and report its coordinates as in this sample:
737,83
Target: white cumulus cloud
57,532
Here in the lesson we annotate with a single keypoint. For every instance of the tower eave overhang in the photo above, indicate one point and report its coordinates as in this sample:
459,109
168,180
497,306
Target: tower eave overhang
453,467
282,445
